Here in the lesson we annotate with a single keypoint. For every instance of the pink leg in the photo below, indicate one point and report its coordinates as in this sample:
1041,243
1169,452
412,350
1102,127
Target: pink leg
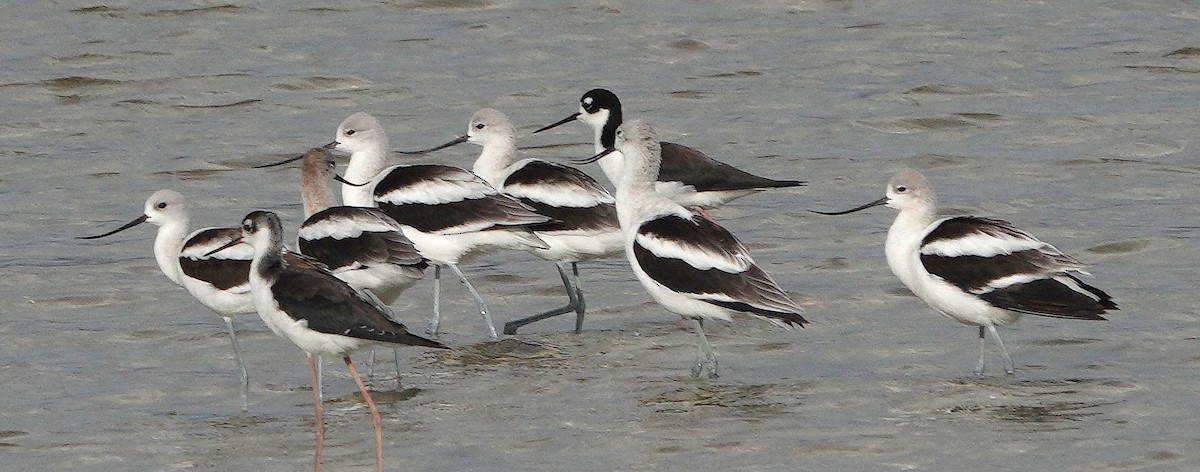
312,368
703,214
375,420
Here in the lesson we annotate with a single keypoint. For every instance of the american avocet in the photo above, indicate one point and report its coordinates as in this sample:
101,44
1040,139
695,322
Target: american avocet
448,212
585,218
220,280
686,176
979,271
359,245
321,314
689,264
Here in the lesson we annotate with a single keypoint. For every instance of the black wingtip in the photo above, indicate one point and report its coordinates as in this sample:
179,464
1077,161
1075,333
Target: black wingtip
414,340
794,319
786,183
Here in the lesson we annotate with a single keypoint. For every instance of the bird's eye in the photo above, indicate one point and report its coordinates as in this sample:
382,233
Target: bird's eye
478,125
349,132
247,226
901,189
161,205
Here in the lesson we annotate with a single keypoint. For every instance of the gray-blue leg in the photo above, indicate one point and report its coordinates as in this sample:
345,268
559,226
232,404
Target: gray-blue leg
706,360
241,365
371,365
982,345
483,311
1008,362
575,302
437,301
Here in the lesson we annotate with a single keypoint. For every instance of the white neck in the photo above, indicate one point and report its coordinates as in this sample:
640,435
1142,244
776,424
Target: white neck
635,192
167,246
903,239
494,161
611,164
365,165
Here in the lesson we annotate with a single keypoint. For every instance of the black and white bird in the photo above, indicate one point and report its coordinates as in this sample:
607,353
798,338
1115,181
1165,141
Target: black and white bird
686,176
689,264
218,280
980,271
360,245
448,212
584,224
301,301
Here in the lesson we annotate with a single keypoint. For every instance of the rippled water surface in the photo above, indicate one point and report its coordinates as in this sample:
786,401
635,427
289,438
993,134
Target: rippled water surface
1075,120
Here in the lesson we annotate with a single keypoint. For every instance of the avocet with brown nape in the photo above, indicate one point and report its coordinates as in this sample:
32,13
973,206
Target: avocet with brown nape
360,245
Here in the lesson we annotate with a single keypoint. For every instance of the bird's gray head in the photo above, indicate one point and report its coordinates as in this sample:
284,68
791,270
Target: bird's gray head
360,131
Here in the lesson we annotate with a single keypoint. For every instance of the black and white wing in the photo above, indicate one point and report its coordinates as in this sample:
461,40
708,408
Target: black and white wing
350,238
573,199
1010,269
331,306
699,258
227,270
447,200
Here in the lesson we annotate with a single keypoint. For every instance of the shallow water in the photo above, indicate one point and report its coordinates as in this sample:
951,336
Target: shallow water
1072,119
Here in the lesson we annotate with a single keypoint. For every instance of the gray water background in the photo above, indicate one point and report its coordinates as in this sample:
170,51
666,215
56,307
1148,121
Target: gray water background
1073,119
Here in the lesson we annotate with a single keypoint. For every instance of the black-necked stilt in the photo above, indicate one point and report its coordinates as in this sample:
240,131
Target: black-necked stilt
980,271
362,246
686,175
453,212
219,280
584,224
321,314
688,263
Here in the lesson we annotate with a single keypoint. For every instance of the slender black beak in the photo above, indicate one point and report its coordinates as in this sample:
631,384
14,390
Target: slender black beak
331,145
875,203
285,161
595,158
560,122
347,182
458,140
233,242
138,221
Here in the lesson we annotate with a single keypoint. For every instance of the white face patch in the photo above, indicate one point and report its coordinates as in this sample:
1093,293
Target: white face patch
587,101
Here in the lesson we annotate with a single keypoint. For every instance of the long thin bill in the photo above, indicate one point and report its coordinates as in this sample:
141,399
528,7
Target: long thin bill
231,243
559,123
595,158
875,203
290,159
339,178
458,140
138,221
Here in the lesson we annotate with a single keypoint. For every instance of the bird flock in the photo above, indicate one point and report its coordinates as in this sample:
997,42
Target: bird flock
330,295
